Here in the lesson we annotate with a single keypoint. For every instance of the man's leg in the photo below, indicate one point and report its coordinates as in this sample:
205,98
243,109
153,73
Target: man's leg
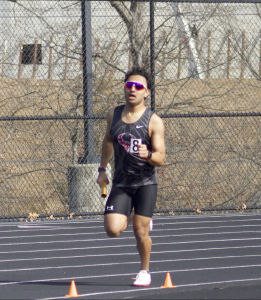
141,231
144,202
118,212
115,223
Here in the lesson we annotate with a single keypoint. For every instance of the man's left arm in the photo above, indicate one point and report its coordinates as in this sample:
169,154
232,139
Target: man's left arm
156,131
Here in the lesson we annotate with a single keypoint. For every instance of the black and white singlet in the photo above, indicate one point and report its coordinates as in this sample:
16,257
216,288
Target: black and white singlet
130,169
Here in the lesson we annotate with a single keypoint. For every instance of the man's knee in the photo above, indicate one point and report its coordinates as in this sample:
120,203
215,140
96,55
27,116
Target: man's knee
141,234
112,233
114,224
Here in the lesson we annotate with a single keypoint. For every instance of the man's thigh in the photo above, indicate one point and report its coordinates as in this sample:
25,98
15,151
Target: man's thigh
117,209
119,201
144,200
114,224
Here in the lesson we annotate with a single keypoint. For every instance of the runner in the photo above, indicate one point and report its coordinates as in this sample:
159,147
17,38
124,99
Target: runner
136,135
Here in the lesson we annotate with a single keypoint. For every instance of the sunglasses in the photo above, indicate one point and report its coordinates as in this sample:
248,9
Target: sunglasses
138,86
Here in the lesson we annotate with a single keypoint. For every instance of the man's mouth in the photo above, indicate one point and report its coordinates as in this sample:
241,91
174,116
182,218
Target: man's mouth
132,96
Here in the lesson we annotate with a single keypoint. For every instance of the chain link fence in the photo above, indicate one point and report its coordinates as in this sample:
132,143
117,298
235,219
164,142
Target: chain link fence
62,68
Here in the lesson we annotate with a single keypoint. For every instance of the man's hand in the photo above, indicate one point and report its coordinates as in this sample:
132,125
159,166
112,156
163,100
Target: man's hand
102,177
143,151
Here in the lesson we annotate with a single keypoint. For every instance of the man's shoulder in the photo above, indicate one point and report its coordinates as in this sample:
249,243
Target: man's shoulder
156,124
155,119
111,111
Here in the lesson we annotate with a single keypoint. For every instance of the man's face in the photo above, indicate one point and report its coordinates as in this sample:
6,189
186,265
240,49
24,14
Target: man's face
134,96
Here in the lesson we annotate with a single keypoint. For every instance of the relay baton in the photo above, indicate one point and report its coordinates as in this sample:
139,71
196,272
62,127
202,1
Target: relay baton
103,189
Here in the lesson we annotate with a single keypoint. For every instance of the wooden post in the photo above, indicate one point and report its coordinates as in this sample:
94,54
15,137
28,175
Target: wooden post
197,41
35,57
228,54
4,57
20,60
179,57
209,54
96,59
66,59
112,56
163,56
50,58
243,55
129,63
260,54
81,64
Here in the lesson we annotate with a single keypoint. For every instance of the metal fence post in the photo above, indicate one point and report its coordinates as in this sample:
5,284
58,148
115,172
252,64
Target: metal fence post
152,56
87,82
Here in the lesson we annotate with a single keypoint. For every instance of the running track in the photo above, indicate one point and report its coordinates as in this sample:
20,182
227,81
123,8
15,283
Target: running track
211,256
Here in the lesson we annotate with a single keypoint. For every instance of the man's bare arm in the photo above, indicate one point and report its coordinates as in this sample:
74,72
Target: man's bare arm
156,132
157,141
107,148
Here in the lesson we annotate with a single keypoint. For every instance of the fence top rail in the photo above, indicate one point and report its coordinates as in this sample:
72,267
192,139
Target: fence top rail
102,117
202,1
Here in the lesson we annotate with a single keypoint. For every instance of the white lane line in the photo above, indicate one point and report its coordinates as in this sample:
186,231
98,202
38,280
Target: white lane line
66,222
127,238
212,221
154,244
176,223
47,222
46,227
156,288
208,216
67,249
118,254
128,231
120,275
130,263
55,224
34,228
123,254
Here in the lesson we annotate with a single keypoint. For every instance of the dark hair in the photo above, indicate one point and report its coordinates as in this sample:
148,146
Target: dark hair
139,71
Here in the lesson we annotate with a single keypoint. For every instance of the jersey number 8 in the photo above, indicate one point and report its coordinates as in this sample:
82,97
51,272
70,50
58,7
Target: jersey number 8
134,145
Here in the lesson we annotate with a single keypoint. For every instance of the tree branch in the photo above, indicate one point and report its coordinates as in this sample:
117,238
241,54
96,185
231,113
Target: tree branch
123,11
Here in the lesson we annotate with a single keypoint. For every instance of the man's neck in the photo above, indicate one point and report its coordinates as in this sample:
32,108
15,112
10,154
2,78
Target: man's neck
130,109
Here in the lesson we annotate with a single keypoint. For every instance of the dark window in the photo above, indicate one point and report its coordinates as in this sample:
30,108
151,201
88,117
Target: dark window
28,54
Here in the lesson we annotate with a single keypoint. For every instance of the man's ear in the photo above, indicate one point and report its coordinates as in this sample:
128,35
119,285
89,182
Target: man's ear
147,92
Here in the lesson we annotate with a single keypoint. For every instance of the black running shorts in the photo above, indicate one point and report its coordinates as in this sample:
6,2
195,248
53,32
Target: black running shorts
122,199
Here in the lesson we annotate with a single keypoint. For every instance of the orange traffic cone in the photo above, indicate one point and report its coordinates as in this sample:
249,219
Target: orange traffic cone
168,282
73,291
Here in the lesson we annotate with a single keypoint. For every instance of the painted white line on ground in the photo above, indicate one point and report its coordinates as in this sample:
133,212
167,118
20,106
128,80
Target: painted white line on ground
34,228
155,217
127,238
133,245
155,288
122,254
207,216
177,219
130,263
119,275
212,221
47,222
119,254
26,228
129,231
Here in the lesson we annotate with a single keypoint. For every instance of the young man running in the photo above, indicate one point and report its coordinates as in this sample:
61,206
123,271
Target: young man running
136,135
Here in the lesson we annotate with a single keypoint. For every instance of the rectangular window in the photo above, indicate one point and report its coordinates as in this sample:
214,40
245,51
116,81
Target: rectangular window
28,54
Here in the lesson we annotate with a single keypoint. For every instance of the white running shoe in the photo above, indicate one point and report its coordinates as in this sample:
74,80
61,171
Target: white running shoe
143,278
151,225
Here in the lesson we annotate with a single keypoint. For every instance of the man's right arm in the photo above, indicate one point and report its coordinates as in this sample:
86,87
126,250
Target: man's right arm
107,148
